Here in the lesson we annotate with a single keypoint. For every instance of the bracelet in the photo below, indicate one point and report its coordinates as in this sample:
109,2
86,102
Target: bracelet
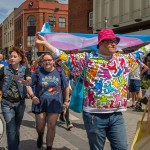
67,101
32,96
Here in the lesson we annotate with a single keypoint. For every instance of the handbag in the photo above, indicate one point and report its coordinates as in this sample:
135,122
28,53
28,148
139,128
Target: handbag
77,97
142,137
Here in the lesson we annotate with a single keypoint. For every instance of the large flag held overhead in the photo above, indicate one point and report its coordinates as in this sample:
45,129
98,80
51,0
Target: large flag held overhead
71,41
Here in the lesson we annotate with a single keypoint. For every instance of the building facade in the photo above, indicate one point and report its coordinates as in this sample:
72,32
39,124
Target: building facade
7,34
124,16
19,28
80,16
30,17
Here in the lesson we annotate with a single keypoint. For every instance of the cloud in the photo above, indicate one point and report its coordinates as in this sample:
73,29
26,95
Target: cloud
63,1
7,6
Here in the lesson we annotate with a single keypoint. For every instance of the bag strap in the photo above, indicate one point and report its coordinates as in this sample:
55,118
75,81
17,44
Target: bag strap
144,113
85,66
59,69
38,75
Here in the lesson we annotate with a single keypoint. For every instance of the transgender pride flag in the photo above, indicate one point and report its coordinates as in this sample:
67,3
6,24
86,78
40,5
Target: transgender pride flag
71,41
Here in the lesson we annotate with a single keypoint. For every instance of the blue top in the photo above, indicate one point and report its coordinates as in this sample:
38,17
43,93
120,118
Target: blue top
48,87
3,63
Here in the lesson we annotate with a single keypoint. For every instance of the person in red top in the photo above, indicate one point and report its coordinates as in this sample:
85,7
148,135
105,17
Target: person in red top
33,66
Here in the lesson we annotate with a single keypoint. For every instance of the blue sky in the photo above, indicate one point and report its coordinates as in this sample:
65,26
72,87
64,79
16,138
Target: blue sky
6,7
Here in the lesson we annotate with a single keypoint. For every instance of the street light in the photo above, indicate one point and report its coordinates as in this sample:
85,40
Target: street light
106,21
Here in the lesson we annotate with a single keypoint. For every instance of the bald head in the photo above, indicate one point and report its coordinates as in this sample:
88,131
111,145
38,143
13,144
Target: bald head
1,57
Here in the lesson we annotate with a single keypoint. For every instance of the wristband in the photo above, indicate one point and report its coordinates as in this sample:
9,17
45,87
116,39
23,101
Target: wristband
32,96
67,101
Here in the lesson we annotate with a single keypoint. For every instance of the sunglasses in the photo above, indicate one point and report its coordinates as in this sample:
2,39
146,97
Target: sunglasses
110,41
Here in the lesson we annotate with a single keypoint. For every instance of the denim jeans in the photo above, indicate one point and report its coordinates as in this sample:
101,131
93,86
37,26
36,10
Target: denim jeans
100,126
13,115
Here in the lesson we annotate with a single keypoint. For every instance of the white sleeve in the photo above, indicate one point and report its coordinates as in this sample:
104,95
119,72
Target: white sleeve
56,54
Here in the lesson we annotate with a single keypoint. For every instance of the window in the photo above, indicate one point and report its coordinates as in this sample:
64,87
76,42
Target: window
10,35
91,19
12,21
16,27
30,41
52,21
6,37
31,21
31,26
20,24
62,22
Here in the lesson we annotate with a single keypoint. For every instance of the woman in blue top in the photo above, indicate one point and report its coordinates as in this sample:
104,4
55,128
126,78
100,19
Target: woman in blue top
48,85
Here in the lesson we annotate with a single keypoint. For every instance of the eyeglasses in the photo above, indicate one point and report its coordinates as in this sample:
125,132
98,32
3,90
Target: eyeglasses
110,41
47,60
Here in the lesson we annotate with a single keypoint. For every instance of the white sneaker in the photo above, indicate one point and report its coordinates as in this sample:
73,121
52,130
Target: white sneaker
69,126
129,100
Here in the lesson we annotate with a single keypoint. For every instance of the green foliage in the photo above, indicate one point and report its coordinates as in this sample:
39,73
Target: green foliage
145,84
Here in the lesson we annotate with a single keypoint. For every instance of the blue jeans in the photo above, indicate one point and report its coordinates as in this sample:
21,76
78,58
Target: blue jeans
13,115
100,126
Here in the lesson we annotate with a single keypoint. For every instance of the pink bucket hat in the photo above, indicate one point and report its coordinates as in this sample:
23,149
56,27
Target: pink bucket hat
106,34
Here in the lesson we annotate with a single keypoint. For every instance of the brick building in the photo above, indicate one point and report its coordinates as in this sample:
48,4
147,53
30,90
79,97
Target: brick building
80,16
30,16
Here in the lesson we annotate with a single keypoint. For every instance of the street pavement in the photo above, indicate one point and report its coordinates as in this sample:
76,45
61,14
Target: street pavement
76,139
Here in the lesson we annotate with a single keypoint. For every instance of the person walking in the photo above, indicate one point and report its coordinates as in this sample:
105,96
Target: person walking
15,77
65,114
48,86
135,82
105,95
2,64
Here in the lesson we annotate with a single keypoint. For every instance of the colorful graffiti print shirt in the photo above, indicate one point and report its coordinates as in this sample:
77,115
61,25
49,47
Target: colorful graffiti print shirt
106,82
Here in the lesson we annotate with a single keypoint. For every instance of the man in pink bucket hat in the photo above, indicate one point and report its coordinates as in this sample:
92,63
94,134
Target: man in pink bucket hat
105,86
107,34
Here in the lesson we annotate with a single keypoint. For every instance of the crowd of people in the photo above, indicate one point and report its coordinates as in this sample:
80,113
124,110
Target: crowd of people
48,85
